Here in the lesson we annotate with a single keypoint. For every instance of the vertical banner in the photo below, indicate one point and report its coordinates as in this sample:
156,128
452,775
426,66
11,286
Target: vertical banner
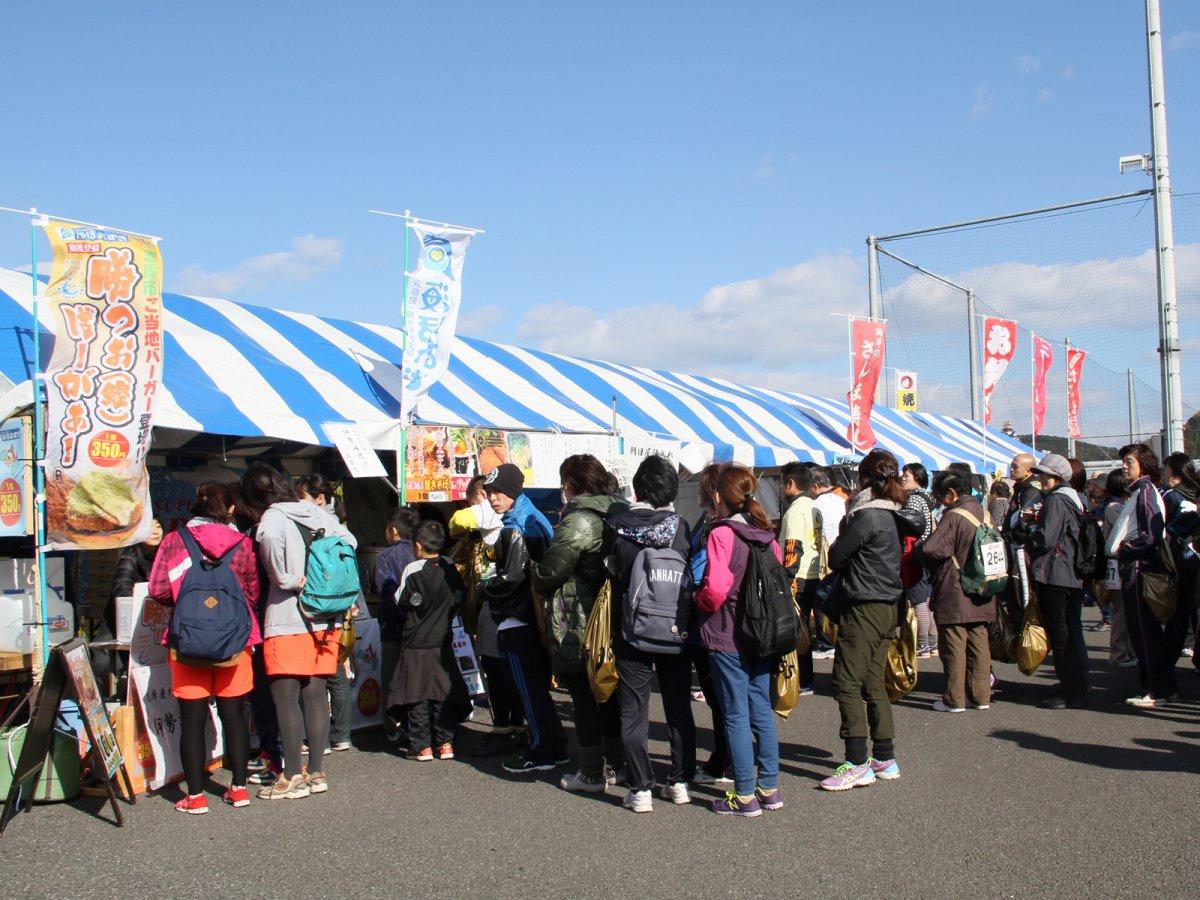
105,294
1075,360
999,345
868,339
906,391
1043,358
16,478
431,313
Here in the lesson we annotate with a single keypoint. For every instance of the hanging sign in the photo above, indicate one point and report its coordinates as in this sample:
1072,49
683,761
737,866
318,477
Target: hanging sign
16,472
868,340
906,391
999,345
360,458
1043,357
431,312
105,293
1075,360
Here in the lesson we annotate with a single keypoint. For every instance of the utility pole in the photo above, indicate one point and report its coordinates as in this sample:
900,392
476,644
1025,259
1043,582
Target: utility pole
1164,233
973,352
1129,398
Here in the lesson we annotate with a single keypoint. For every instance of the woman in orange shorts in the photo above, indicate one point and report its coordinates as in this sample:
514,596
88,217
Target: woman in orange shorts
193,685
299,653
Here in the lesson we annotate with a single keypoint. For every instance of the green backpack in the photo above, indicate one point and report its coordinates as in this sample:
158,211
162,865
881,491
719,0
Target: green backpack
985,573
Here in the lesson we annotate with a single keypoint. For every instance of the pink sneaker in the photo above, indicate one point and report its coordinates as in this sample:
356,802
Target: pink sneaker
849,776
886,769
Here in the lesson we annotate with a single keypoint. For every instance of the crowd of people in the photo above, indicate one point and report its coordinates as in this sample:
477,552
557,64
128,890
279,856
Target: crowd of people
677,594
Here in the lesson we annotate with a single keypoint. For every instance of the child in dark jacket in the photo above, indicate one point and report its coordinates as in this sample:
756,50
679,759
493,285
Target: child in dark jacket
427,682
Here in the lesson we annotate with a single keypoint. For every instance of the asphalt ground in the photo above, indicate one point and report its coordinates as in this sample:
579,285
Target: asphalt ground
1012,801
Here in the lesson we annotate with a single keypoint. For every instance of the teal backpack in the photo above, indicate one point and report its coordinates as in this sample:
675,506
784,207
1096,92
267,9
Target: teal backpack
985,573
331,576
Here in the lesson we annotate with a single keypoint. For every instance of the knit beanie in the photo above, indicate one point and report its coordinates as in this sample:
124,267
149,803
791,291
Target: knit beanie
505,479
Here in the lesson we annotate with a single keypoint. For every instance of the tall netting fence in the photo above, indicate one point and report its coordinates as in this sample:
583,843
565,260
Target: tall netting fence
1084,275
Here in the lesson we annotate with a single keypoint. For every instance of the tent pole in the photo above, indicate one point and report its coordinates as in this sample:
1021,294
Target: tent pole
402,454
39,471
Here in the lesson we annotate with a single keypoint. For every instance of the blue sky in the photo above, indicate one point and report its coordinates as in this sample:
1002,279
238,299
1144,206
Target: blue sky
640,168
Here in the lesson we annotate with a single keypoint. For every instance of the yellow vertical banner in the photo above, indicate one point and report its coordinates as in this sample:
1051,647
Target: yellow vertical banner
105,294
906,391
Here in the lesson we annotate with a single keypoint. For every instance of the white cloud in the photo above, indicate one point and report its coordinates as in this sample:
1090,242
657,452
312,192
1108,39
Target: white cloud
1043,95
1026,64
479,321
983,102
771,331
310,256
765,168
1183,39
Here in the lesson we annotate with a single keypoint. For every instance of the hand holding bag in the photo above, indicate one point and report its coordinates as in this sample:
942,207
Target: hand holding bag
600,662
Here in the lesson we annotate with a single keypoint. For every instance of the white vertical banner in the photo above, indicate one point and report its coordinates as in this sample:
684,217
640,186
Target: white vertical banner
431,313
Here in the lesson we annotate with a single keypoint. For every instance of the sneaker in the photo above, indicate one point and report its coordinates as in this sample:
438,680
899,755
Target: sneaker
698,696
772,799
940,706
562,759
524,764
340,746
733,805
806,691
991,679
446,751
425,754
1146,701
328,750
1128,663
933,651
923,652
285,789
236,796
1188,651
317,783
639,801
981,706
615,777
258,763
704,778
584,784
194,806
886,769
676,793
1054,702
849,776
267,776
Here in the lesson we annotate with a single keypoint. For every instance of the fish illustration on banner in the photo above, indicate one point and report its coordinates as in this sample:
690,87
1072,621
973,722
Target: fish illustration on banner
868,340
431,314
999,345
1075,360
105,293
1043,358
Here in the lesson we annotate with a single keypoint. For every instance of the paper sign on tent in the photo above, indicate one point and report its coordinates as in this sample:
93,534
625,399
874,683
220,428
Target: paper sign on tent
360,458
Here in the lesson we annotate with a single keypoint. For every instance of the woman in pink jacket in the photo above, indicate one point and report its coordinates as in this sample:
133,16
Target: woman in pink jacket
193,685
742,679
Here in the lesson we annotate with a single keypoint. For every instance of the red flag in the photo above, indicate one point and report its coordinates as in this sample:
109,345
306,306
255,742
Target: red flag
999,345
1074,376
868,338
1043,358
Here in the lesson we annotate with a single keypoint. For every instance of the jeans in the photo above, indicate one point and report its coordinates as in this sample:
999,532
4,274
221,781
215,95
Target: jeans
341,709
744,687
1060,608
636,671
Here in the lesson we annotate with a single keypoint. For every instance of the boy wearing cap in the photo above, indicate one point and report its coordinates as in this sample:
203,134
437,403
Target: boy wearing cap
524,536
1051,536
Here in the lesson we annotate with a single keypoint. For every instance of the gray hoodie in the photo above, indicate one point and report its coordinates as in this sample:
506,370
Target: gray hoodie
281,548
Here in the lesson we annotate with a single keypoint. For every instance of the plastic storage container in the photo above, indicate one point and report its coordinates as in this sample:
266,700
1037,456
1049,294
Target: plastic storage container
18,604
59,779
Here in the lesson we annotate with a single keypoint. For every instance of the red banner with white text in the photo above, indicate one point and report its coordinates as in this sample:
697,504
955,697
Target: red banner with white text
1074,376
999,345
1043,358
868,339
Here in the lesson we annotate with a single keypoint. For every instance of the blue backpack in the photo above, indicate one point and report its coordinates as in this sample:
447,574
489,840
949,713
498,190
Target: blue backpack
331,576
211,622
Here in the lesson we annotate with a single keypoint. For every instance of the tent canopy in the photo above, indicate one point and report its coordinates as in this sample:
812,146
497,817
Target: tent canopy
249,371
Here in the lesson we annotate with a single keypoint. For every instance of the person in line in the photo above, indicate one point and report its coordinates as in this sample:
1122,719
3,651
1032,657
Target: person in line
214,537
133,566
651,522
867,555
1183,487
568,578
299,654
1120,648
1026,491
1138,535
427,683
915,479
830,502
508,593
320,491
742,679
999,502
1050,534
714,772
389,568
798,535
962,620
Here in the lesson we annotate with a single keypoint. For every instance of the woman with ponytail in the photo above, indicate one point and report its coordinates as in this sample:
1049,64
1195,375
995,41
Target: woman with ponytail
1183,491
867,556
742,679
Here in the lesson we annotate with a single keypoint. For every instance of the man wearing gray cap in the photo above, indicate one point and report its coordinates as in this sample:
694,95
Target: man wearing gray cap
1051,536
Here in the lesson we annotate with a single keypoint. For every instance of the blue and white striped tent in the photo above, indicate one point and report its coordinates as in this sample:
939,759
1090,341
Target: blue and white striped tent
247,371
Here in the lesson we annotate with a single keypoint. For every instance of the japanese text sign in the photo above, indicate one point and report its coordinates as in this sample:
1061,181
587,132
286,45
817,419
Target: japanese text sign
1043,358
868,340
1075,360
999,345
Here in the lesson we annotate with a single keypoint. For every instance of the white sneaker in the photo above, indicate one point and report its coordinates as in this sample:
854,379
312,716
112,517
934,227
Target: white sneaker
981,706
1145,701
942,707
676,793
639,801
583,783
703,778
340,745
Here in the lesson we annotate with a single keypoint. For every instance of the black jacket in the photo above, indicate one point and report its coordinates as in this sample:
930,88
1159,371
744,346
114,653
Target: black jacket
133,565
1053,539
628,532
867,551
1026,495
508,593
430,597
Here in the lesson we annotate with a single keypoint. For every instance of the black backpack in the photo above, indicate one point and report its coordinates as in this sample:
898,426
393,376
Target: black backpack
766,616
1090,559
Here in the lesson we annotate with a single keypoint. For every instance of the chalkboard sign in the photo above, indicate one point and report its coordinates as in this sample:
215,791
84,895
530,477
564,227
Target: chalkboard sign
69,672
